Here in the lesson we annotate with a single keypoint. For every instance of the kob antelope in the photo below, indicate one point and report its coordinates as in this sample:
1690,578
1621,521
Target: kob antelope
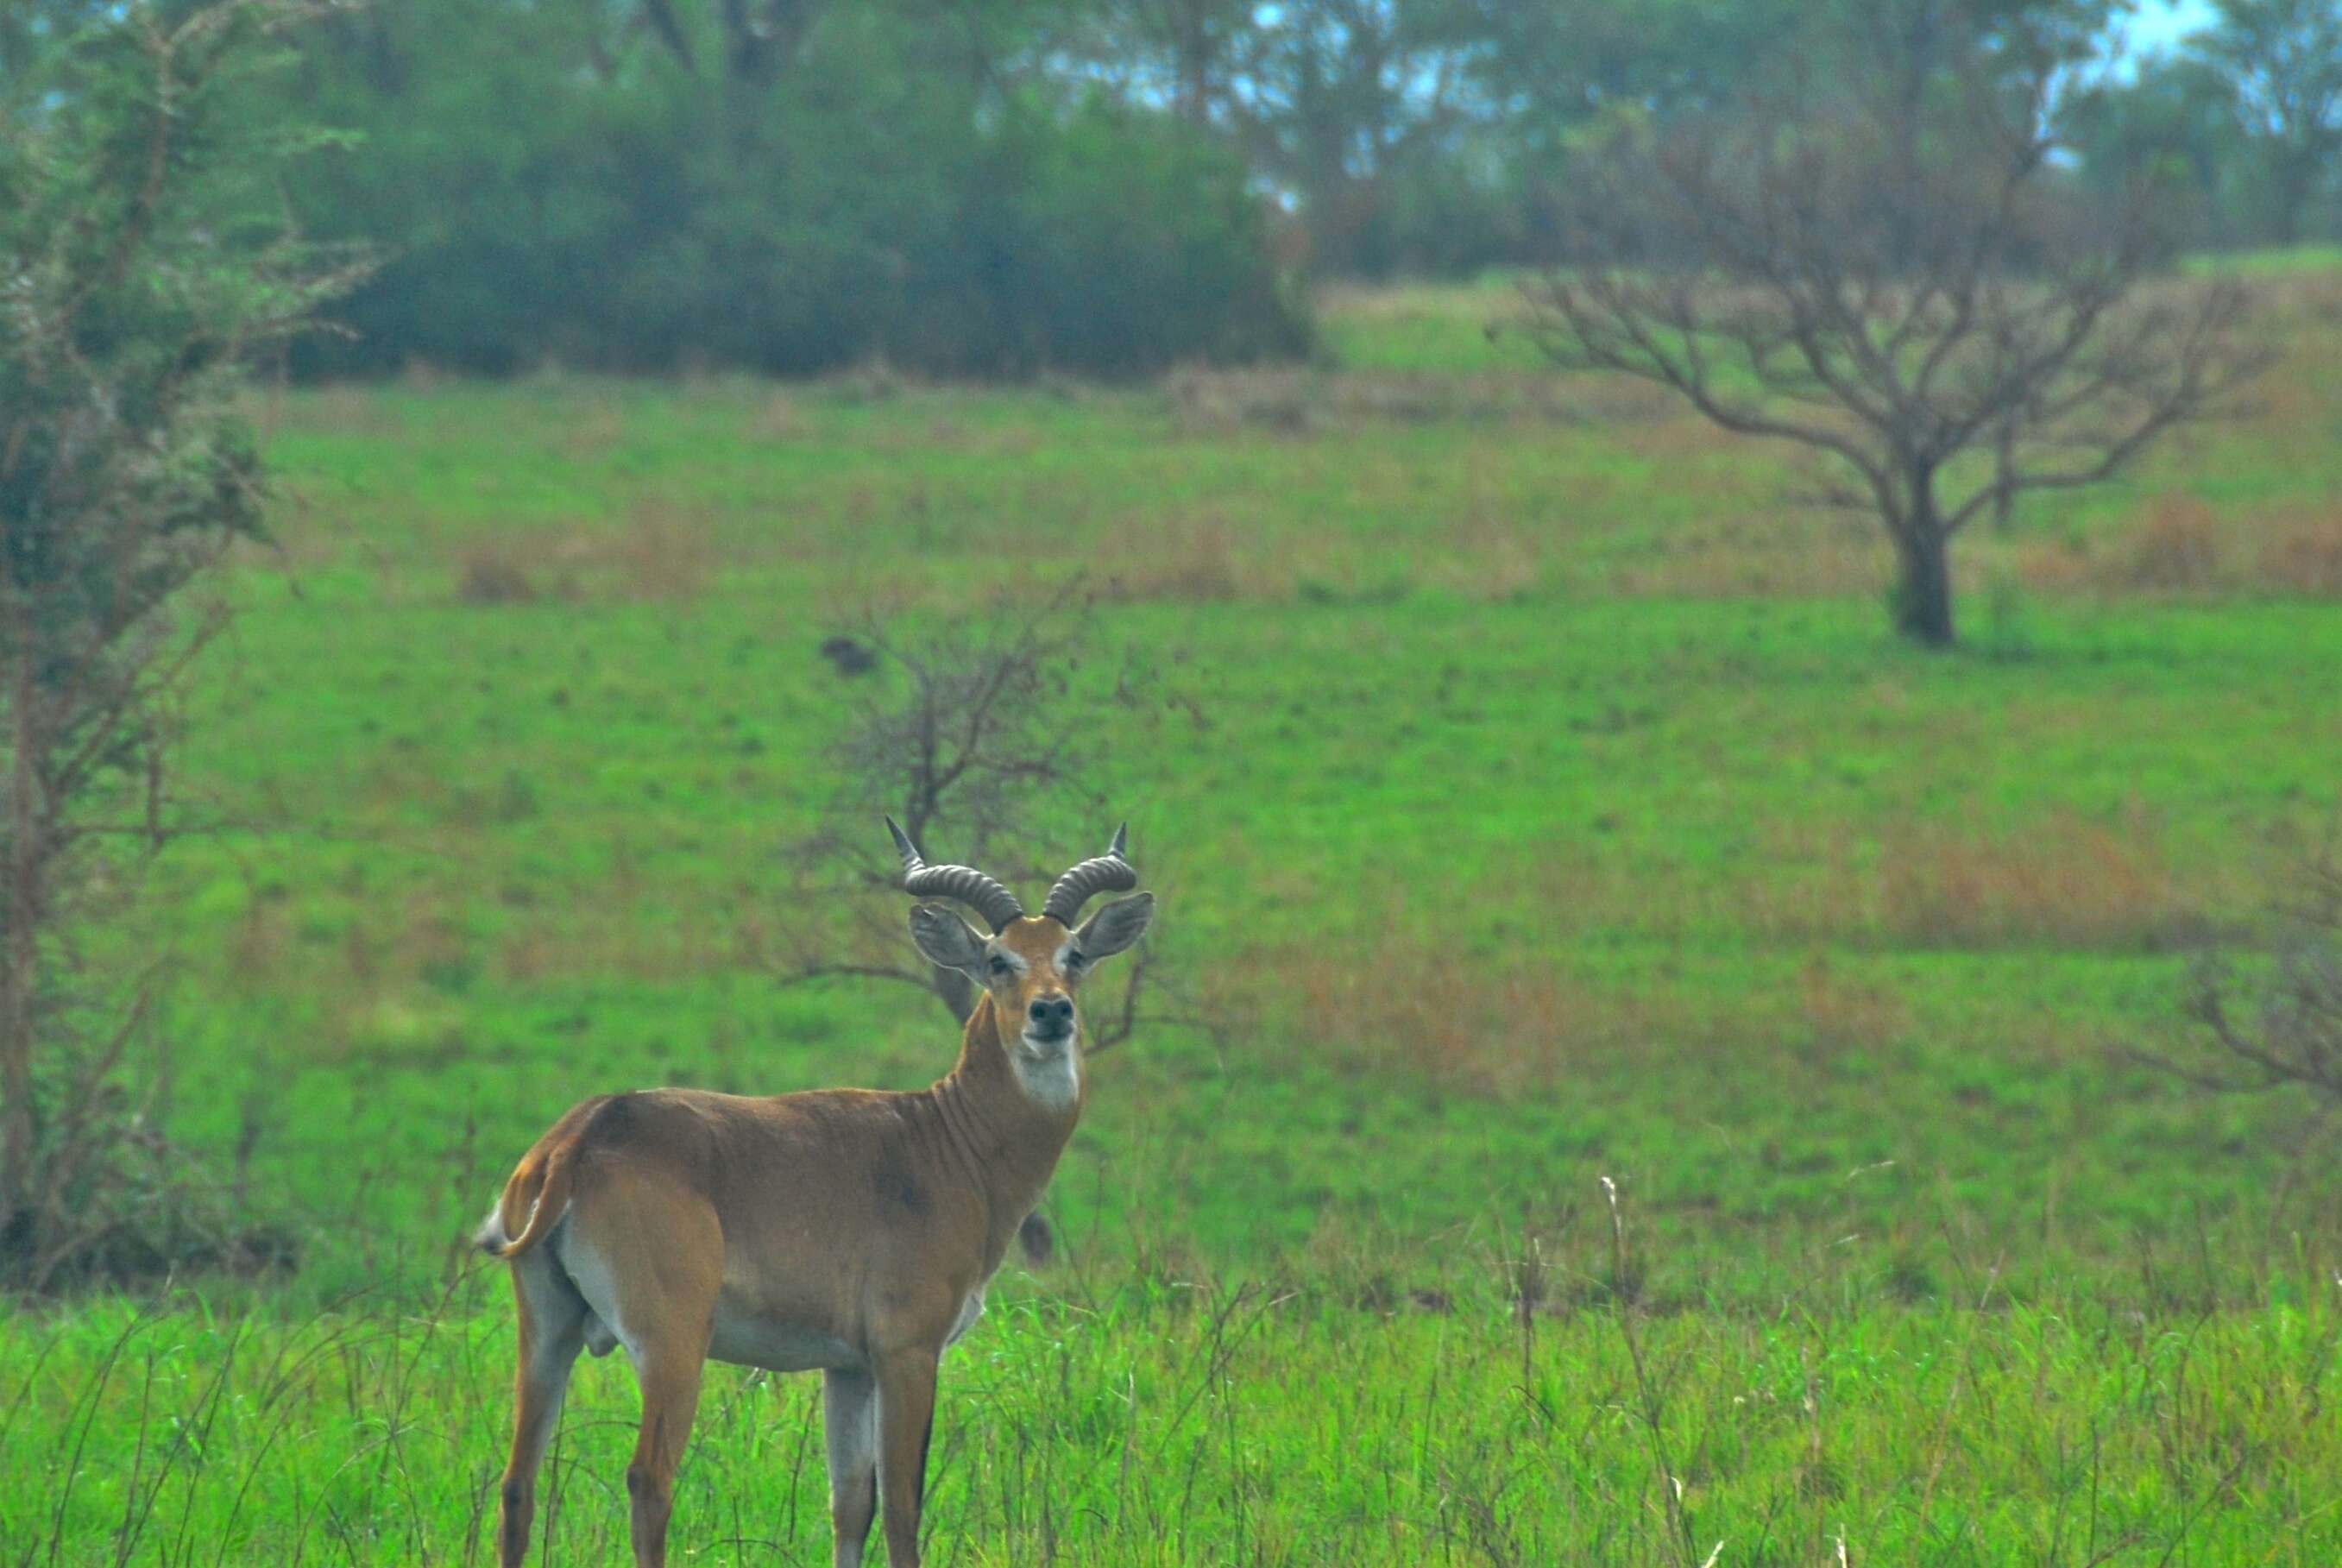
843,1230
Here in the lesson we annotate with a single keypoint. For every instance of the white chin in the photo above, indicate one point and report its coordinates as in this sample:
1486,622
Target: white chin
1049,1070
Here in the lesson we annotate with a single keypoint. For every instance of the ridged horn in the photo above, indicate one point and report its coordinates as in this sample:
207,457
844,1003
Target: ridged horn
964,883
1108,872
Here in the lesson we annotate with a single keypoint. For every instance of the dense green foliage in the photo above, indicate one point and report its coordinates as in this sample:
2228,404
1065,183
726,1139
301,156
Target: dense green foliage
144,265
2244,119
875,197
1542,802
789,185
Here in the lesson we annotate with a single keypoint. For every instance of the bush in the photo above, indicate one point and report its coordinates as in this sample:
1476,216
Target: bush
1106,242
146,264
2277,1022
868,207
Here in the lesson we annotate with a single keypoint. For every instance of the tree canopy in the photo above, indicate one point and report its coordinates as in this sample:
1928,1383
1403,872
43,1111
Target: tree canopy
1110,186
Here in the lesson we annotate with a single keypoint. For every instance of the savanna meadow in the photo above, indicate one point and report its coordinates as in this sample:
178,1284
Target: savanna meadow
1652,1051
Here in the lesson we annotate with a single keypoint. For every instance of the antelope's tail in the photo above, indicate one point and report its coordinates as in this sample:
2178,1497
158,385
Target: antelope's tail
546,1204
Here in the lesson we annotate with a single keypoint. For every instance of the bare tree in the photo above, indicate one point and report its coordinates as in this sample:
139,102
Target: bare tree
2279,1025
988,738
1888,272
144,266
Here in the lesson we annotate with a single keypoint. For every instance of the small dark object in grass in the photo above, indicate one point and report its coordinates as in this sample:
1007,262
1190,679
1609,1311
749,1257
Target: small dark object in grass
850,656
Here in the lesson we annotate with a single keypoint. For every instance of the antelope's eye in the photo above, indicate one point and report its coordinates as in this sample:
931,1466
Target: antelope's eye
1073,960
999,964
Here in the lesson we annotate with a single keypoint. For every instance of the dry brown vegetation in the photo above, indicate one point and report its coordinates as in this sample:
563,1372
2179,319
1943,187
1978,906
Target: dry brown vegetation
1505,1028
1760,554
498,571
1303,402
777,416
1210,553
2178,545
1191,558
2302,553
1844,1013
663,553
1499,1026
2067,880
2294,301
660,553
2175,545
1487,1028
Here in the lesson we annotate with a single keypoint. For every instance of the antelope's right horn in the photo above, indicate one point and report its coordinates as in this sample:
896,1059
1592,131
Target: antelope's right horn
964,883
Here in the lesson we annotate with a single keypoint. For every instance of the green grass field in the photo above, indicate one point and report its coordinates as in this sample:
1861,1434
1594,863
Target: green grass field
1543,801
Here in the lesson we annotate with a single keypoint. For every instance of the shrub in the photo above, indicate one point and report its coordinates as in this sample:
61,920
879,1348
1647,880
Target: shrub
2276,1020
145,264
872,207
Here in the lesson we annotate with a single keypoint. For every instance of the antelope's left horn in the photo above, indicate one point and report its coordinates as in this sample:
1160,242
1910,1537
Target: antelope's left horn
1107,873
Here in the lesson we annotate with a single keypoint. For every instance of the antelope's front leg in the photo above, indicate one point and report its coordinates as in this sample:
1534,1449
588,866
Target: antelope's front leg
849,1420
907,1413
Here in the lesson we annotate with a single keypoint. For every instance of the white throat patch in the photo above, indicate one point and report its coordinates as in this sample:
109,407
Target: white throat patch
1050,1074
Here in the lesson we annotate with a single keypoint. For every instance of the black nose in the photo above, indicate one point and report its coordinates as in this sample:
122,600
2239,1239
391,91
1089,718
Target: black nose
1051,1012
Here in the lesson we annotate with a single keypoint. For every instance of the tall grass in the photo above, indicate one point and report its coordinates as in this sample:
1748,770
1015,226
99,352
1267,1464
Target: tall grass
1497,1413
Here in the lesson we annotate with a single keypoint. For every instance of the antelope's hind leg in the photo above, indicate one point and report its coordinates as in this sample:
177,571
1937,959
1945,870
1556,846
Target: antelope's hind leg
648,1256
669,1371
552,1331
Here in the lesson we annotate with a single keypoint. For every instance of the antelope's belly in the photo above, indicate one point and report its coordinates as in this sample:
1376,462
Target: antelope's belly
744,1338
971,1309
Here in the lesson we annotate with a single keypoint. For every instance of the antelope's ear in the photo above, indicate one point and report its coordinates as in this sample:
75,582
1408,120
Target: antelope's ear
1115,927
946,941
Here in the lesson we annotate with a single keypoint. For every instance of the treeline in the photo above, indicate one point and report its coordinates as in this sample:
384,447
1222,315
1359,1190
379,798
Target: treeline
1112,185
768,183
2243,118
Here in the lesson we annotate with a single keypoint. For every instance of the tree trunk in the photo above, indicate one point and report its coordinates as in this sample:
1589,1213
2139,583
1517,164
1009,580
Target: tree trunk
20,866
2294,179
955,991
1922,594
1192,48
1910,35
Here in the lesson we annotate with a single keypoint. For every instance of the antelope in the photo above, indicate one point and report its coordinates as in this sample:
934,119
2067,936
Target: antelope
847,1230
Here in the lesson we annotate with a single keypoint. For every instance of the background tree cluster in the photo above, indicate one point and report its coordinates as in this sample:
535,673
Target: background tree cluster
782,185
1106,185
2246,118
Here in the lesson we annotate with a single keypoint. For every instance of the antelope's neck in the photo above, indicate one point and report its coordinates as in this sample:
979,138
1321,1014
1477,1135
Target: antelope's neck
1009,1138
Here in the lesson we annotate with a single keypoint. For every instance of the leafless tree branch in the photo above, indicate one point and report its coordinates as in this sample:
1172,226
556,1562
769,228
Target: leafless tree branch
1891,276
2276,1024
